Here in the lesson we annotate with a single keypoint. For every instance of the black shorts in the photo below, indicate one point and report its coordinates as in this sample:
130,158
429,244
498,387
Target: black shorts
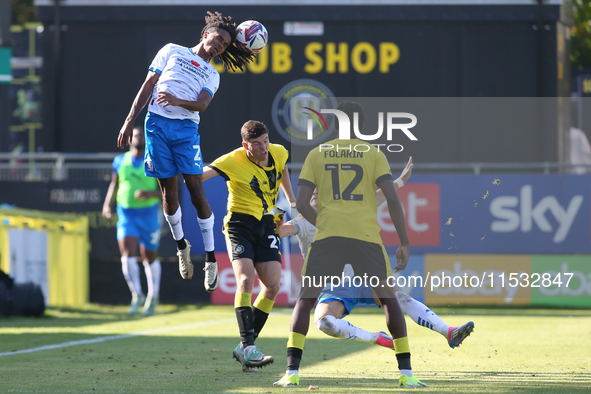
328,256
247,237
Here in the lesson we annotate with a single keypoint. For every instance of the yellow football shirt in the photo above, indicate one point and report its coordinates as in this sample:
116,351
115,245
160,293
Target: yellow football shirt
346,173
253,189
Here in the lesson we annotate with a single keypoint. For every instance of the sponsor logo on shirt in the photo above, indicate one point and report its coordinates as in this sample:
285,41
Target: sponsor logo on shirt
192,67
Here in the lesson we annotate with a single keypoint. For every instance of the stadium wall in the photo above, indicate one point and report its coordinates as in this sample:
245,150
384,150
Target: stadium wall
537,223
487,214
48,249
456,280
464,224
106,283
392,49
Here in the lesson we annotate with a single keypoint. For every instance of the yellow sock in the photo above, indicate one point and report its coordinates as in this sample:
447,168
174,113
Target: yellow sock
242,299
401,345
296,340
264,304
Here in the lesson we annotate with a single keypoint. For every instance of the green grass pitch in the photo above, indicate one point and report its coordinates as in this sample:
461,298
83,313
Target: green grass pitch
189,349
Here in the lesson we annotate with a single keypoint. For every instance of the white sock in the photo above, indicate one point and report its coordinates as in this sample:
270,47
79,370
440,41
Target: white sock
407,372
340,328
421,315
153,273
131,272
290,372
206,226
176,224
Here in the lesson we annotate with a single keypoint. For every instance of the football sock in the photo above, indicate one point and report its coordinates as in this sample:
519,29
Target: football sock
340,328
149,279
176,226
402,350
420,314
210,257
243,308
260,312
206,226
131,272
153,273
181,244
295,350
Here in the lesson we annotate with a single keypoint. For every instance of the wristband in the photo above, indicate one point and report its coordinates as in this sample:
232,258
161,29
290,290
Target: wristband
399,182
293,204
297,226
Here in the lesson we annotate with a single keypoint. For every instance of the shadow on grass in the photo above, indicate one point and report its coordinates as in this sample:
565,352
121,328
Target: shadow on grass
90,315
464,382
155,364
204,364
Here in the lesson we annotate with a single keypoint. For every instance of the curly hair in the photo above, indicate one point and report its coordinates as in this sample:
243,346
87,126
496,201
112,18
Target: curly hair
232,58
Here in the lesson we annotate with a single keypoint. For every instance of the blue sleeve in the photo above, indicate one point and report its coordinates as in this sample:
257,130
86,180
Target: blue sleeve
117,164
209,90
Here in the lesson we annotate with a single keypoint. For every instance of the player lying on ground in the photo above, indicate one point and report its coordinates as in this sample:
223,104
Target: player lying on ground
334,305
253,174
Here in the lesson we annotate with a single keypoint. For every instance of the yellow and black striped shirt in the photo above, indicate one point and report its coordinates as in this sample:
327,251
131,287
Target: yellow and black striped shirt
253,189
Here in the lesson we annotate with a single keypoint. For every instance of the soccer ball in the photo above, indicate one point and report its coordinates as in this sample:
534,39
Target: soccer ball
251,36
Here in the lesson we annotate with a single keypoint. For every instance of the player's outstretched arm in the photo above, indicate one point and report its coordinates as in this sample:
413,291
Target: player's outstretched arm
140,101
286,229
397,216
398,183
110,197
407,171
208,173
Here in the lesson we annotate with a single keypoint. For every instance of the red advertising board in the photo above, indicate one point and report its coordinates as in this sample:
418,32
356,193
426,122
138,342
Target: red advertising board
290,281
422,211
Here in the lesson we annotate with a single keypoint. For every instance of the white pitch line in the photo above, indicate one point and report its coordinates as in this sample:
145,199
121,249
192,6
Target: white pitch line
122,336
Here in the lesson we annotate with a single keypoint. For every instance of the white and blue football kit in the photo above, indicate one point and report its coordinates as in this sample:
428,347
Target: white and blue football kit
172,138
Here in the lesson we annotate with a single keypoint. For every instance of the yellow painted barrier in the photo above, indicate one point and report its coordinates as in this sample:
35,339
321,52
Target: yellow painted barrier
60,243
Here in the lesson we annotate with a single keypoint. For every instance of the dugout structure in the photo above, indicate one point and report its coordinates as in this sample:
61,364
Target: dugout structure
48,249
